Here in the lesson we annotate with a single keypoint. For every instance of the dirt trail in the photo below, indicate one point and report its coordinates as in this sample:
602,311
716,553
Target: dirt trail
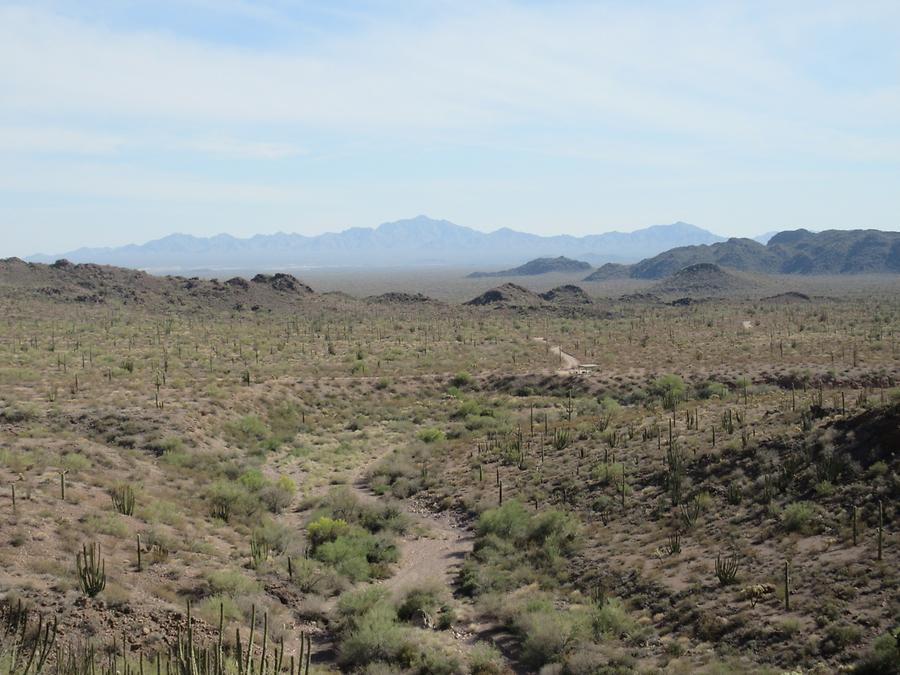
569,363
433,549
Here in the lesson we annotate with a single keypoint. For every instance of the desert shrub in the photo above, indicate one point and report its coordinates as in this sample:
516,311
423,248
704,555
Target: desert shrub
711,389
430,435
554,532
467,408
514,548
839,636
355,604
325,529
228,498
611,618
669,389
18,413
311,576
398,476
273,534
277,495
230,583
252,479
435,660
376,636
17,460
382,518
168,444
883,658
248,432
425,599
797,516
509,521
608,474
208,608
109,523
547,635
284,421
357,554
485,659
461,379
73,462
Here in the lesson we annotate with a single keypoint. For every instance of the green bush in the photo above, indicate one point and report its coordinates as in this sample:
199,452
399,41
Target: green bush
710,389
883,658
461,379
431,435
352,605
311,576
358,555
227,498
230,583
547,635
670,389
509,521
278,494
839,636
611,618
426,599
325,529
797,516
555,532
248,432
376,636
485,659
208,609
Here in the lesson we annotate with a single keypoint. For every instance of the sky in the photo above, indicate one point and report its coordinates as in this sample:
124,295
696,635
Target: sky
123,121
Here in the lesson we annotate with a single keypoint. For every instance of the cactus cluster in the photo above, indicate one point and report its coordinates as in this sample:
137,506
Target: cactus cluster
123,499
91,570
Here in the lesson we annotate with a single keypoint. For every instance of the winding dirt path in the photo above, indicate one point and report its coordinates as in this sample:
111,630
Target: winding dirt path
569,363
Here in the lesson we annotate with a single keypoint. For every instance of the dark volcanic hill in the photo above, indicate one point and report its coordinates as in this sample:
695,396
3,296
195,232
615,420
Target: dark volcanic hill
700,281
507,295
512,296
790,252
538,266
609,271
91,284
568,294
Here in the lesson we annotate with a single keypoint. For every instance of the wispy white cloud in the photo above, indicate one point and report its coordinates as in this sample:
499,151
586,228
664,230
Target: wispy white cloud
43,139
29,139
704,90
127,182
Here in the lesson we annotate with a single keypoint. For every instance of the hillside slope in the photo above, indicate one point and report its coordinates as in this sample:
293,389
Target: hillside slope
538,266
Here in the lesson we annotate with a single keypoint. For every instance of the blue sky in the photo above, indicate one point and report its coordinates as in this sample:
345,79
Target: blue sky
125,120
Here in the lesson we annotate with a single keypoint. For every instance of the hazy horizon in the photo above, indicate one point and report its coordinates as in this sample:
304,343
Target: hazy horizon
127,122
485,230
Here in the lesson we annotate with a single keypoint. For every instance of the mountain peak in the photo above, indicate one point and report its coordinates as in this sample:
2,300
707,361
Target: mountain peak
420,240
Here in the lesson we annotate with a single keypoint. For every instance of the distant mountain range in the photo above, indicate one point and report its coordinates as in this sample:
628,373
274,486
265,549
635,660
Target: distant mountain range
538,266
789,252
411,242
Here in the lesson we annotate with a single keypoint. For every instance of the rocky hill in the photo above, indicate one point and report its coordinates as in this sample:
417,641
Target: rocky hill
610,271
510,296
700,281
91,284
538,266
789,252
513,296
